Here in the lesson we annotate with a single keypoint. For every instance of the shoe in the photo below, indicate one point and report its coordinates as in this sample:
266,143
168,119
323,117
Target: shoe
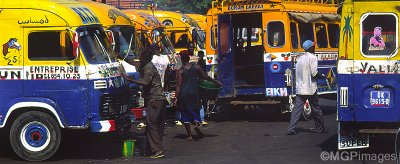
314,130
158,154
141,125
204,123
291,133
178,123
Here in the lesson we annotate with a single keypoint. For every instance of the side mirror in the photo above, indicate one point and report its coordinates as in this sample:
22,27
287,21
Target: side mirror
111,39
75,44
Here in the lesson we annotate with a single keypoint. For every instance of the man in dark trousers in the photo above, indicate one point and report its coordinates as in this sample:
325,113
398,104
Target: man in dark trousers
306,88
155,103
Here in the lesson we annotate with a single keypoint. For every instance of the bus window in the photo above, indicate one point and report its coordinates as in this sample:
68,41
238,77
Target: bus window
224,38
48,46
379,34
212,37
306,32
276,34
322,39
293,34
334,32
183,40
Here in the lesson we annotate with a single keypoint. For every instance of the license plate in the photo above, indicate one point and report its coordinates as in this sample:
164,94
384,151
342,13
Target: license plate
352,140
379,98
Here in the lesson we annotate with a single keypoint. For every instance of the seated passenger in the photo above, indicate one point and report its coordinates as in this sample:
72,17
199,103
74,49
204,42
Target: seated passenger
376,42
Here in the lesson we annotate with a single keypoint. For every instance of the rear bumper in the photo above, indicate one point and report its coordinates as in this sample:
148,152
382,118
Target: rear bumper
102,126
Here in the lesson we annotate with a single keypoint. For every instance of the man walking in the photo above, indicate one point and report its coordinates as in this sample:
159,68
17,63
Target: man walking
306,88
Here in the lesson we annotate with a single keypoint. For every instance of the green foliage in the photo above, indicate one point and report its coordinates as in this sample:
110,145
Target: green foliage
185,6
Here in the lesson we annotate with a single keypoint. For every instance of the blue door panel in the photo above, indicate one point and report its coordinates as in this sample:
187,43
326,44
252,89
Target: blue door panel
70,95
225,61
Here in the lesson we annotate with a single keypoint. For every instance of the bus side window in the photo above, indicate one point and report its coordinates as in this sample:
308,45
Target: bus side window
293,34
212,38
49,46
183,41
379,34
306,32
333,32
276,34
224,38
322,39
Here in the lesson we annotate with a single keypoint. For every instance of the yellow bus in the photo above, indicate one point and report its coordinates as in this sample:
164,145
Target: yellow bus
211,39
57,72
259,40
182,30
368,72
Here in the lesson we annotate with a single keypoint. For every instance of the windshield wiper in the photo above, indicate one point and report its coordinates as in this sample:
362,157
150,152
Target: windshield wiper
102,48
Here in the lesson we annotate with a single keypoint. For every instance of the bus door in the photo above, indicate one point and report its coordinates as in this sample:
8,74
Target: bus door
248,52
55,71
376,65
225,56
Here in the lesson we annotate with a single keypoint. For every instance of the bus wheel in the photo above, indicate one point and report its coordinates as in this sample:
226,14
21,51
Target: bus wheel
307,112
35,136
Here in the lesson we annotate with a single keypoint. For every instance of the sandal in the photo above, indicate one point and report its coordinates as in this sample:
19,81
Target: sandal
188,138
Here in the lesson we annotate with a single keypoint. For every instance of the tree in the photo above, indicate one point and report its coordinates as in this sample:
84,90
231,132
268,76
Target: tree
185,6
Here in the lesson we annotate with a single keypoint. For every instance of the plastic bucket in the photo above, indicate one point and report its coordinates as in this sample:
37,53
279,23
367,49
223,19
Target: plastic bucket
129,148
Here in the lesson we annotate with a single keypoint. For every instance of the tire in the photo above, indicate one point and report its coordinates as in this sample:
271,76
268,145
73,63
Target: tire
35,136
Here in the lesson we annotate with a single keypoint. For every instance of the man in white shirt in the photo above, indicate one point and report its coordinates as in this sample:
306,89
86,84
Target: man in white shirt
306,88
161,62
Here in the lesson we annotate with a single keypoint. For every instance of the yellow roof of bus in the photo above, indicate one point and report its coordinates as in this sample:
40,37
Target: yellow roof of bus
175,17
143,21
200,19
108,15
63,9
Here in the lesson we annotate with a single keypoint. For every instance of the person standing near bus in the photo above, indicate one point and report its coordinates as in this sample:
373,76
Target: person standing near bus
306,88
187,93
155,103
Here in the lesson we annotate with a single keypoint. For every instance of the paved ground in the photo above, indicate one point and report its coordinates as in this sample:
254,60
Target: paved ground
249,136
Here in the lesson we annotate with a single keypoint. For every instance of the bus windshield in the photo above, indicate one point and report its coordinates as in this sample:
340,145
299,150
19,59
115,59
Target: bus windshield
94,44
160,37
126,45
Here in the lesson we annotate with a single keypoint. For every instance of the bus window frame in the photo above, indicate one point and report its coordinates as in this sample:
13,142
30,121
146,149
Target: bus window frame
313,33
212,38
284,35
326,34
329,36
362,18
61,58
297,34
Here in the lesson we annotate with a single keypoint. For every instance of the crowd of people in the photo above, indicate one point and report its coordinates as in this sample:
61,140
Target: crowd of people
188,104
